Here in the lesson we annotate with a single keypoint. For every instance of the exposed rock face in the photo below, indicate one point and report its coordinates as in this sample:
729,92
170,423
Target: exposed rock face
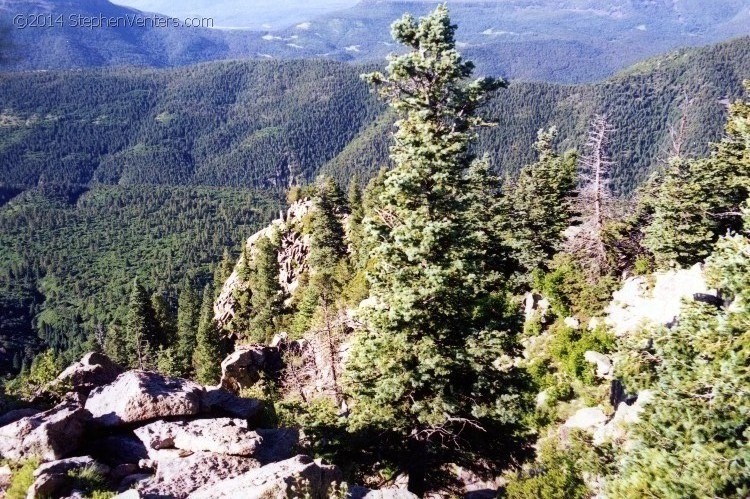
616,429
603,363
295,247
363,493
52,479
177,478
142,396
92,371
276,480
222,435
245,365
588,418
637,302
535,304
13,416
572,323
49,436
224,402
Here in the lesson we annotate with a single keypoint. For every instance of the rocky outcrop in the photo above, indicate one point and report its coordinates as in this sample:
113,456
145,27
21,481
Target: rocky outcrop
613,428
602,362
616,428
152,436
295,246
138,396
223,402
588,418
364,493
92,371
53,479
656,299
535,305
178,477
300,476
49,435
222,435
244,367
13,416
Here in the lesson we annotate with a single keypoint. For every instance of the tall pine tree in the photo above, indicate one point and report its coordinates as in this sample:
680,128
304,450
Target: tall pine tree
140,329
423,364
540,205
698,200
188,315
209,351
266,295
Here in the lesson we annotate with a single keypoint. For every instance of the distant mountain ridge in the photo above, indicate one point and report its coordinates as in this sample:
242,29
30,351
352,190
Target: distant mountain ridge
569,41
267,124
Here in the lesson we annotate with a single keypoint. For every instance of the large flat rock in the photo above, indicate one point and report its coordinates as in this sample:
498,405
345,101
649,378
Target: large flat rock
138,396
276,480
221,435
48,436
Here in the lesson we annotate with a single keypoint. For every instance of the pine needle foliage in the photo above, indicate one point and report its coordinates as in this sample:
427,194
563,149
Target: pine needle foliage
432,362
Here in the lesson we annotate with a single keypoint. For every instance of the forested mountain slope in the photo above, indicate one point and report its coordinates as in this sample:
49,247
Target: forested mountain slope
240,124
641,103
565,41
269,123
558,41
68,257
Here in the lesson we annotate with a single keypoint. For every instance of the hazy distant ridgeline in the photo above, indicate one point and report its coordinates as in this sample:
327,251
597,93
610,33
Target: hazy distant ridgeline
567,42
269,123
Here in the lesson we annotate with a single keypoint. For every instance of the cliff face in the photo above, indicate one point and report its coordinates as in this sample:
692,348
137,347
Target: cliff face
308,367
295,246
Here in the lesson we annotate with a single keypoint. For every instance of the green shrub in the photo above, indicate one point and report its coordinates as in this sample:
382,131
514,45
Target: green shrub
555,475
44,370
23,477
266,391
324,428
559,470
91,482
568,290
568,347
643,265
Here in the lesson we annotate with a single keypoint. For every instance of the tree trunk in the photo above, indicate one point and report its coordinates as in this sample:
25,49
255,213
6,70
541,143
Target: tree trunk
417,467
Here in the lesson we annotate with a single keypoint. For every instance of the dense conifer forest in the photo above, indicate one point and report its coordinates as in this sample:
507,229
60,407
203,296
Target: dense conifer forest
530,290
69,256
269,124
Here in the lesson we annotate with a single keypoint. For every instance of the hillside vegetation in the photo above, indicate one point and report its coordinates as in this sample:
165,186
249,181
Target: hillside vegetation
270,124
569,41
69,257
444,330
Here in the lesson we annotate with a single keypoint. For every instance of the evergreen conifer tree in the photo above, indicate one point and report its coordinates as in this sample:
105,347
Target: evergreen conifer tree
692,438
209,351
540,206
355,229
223,271
166,329
266,295
422,367
140,329
188,315
327,246
698,200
